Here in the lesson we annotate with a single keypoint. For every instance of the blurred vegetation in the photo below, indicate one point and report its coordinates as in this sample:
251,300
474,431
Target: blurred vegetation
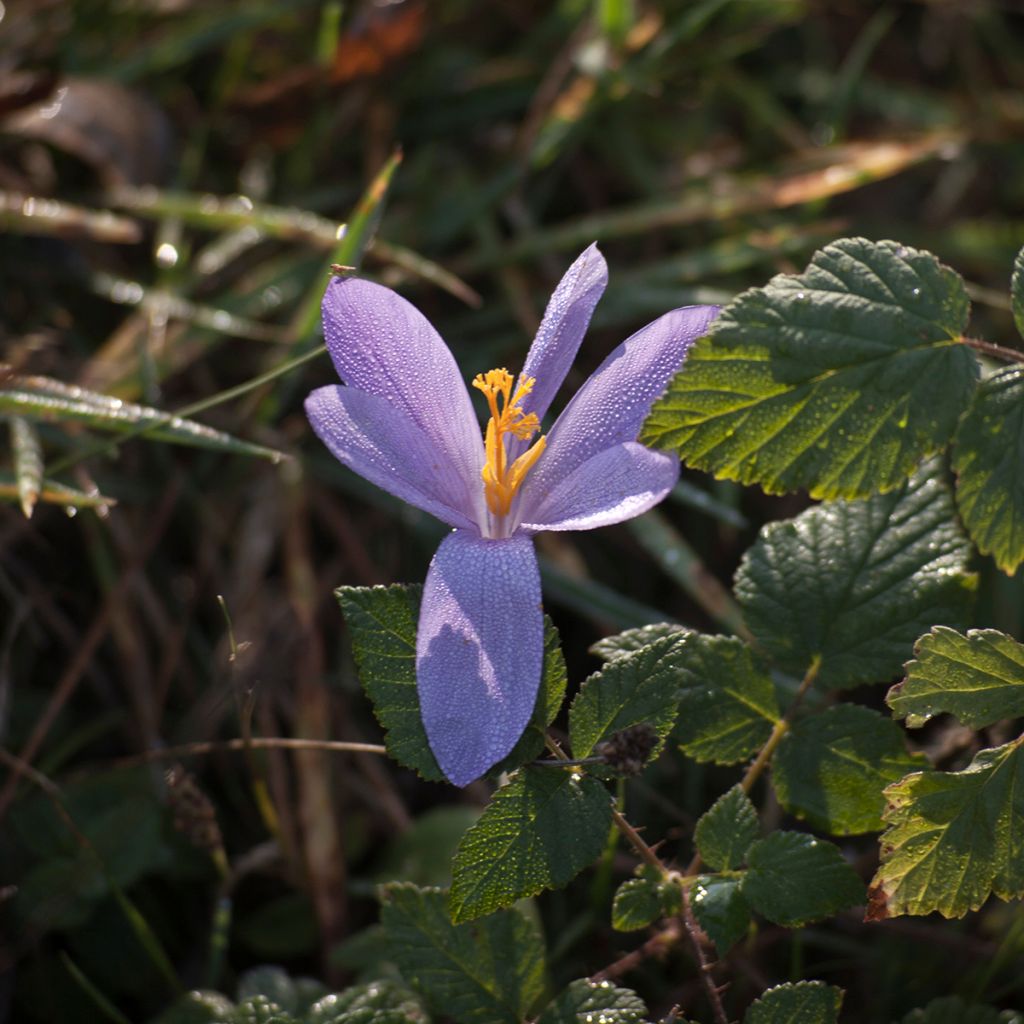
173,176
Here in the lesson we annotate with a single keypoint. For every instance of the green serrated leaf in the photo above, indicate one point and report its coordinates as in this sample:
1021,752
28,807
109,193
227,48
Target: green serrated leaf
293,995
538,832
1017,292
802,1002
793,879
831,769
382,622
586,1001
728,705
856,583
838,380
630,640
726,830
721,910
978,677
638,687
259,1009
376,1002
953,1010
988,457
197,1007
42,398
953,838
487,972
641,901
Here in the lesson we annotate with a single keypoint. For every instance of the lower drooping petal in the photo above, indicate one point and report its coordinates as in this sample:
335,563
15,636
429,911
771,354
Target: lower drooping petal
479,650
614,485
614,402
384,446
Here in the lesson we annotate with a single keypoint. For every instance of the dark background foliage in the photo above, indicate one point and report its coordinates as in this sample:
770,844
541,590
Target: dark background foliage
705,145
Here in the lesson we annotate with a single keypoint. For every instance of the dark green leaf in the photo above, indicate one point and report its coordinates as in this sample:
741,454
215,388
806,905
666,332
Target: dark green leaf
728,706
989,462
794,879
856,583
721,910
259,1010
638,687
377,1002
630,640
198,1007
978,677
538,832
724,832
642,901
805,1002
838,380
953,838
953,1010
831,768
293,995
585,1001
382,622
487,972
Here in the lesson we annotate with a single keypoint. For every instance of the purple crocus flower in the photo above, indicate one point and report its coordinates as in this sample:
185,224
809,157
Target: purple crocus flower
405,422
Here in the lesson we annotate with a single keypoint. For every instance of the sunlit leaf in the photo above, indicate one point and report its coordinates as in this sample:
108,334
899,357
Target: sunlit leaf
989,462
855,583
831,768
838,380
953,838
611,647
518,846
725,831
586,1001
641,901
978,677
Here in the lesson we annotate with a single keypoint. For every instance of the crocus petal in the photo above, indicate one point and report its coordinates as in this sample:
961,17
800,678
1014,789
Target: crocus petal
383,445
383,345
562,329
612,405
479,650
616,484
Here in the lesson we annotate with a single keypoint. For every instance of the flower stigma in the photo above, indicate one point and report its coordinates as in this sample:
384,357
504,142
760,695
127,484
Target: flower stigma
502,480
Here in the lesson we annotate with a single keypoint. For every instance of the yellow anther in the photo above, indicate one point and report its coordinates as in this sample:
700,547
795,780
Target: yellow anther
501,481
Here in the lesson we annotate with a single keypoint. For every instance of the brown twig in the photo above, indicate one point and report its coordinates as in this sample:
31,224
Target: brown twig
254,742
1009,355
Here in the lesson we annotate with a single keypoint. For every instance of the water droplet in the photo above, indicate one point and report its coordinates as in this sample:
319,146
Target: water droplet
801,297
221,320
166,255
915,292
341,232
70,511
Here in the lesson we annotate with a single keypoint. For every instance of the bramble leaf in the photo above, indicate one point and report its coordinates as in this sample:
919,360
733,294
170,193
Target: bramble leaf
382,622
487,972
641,901
1017,292
988,457
725,831
953,1010
838,380
953,838
721,910
639,687
538,832
793,878
587,1001
830,769
728,706
611,647
803,1002
978,677
384,1001
857,582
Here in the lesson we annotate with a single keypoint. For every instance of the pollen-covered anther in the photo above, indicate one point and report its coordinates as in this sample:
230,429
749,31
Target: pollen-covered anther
501,481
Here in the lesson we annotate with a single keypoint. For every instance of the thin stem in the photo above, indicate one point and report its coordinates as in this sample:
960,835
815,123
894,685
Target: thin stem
703,964
254,742
1009,355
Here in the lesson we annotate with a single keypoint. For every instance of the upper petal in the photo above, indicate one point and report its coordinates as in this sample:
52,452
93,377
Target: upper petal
616,484
479,650
382,444
614,402
385,346
561,331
